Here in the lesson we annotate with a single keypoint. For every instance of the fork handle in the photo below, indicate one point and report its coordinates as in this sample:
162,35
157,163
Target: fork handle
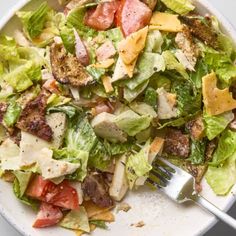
216,211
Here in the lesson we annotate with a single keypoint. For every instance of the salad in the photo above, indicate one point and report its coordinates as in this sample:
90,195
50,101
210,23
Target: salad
93,93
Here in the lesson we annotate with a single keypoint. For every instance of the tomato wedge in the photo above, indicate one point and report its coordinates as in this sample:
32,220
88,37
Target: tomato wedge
101,17
62,195
132,15
48,215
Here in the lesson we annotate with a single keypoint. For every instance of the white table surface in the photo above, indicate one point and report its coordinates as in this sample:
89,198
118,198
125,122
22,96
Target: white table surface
228,8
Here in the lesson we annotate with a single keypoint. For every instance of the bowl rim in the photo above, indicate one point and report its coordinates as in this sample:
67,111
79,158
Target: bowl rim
231,31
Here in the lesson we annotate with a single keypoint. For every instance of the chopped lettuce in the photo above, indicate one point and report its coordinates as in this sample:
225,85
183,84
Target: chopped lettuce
201,69
188,101
73,156
68,38
226,148
197,155
77,220
137,165
182,7
13,112
8,49
70,111
132,123
172,64
151,97
117,148
23,178
222,178
96,73
56,100
143,108
214,125
131,94
154,41
24,199
148,64
33,21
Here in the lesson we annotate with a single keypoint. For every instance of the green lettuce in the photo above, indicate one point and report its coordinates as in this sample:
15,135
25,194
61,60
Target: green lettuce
77,220
143,108
151,97
226,148
173,64
114,149
221,179
214,125
182,7
188,100
70,111
22,77
96,73
148,64
57,100
68,38
24,199
154,41
197,155
131,94
137,165
33,21
23,178
132,123
13,112
8,50
73,156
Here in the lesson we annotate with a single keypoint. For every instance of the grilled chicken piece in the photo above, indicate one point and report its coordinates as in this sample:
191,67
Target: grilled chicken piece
96,189
196,128
185,42
32,118
67,69
201,30
177,143
210,148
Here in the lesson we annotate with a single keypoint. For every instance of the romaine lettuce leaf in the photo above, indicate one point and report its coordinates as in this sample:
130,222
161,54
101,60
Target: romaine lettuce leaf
151,97
197,155
68,38
131,94
226,148
137,165
77,220
96,73
70,111
154,41
214,125
57,100
148,64
180,6
172,64
188,100
8,50
24,199
132,123
33,21
13,112
118,148
22,77
73,156
143,108
23,178
222,178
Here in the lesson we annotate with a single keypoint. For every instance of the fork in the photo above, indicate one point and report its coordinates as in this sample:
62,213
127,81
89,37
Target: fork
178,185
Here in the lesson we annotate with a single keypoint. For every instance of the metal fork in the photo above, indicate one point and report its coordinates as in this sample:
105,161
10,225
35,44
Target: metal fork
180,187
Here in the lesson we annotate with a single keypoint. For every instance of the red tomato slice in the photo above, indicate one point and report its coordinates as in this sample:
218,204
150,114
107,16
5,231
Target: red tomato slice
48,215
38,187
132,15
102,17
62,195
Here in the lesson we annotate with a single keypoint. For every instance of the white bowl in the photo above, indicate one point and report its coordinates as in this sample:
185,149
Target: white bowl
161,216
